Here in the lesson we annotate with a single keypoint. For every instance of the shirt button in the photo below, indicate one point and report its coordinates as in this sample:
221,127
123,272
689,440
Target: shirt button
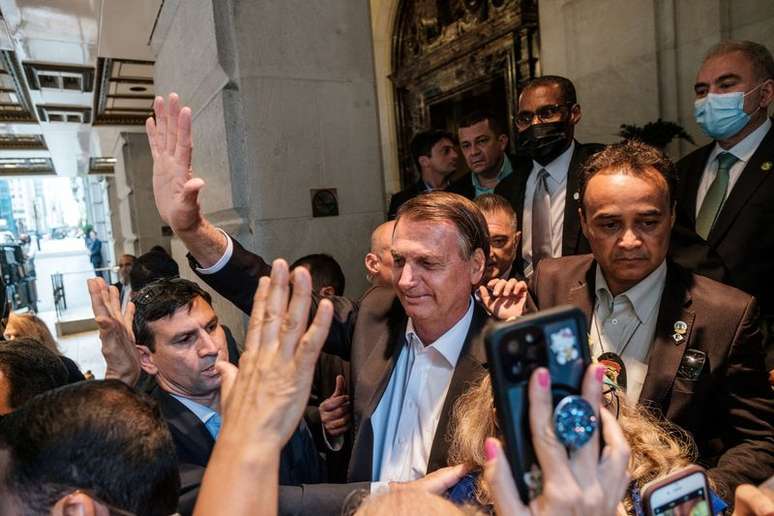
614,321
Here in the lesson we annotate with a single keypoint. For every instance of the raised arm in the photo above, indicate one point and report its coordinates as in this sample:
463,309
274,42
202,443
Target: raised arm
175,189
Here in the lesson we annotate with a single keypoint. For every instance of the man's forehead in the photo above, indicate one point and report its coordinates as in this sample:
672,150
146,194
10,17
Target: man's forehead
540,96
443,143
411,234
622,189
731,63
196,314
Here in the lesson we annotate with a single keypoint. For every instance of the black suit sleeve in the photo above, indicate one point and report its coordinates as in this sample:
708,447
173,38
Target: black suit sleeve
238,280
749,456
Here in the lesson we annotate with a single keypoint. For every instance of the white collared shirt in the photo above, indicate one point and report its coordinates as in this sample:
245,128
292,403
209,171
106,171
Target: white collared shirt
202,412
626,324
405,421
557,190
743,151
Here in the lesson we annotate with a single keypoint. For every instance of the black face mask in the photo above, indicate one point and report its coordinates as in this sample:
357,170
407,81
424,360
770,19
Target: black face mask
544,142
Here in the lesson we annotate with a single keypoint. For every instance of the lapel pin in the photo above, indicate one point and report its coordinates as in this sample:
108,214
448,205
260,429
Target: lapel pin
766,166
677,337
576,195
681,328
692,364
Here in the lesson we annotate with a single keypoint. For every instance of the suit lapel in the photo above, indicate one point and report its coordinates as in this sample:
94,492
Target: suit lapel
752,176
582,295
691,183
666,352
571,227
470,367
188,431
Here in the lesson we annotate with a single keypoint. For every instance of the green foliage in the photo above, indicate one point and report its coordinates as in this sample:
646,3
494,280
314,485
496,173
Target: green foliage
659,133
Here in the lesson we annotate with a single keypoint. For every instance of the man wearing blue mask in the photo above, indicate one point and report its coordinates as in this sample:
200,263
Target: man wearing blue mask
725,208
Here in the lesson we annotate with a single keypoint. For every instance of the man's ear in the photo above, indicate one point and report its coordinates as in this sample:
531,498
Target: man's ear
146,360
477,266
78,504
767,93
372,264
575,114
584,223
503,141
424,161
516,239
327,291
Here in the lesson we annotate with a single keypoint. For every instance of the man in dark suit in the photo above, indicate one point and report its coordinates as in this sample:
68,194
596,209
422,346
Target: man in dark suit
725,205
691,346
123,284
544,189
435,156
179,340
504,236
483,142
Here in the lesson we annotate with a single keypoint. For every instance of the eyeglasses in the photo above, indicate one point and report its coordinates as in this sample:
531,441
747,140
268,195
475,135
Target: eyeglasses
548,113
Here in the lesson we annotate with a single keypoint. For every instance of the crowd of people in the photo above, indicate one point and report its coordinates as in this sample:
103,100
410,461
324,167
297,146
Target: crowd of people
382,403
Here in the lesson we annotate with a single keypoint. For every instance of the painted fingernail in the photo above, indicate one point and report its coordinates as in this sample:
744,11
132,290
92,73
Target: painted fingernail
599,374
490,449
543,379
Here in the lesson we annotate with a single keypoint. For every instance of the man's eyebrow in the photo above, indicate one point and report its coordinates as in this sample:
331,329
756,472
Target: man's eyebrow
726,77
182,335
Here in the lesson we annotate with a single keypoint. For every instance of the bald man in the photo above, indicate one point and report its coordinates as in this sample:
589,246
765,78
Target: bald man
378,262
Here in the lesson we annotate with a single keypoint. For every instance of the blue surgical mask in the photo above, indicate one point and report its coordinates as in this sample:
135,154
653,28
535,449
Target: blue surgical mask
721,115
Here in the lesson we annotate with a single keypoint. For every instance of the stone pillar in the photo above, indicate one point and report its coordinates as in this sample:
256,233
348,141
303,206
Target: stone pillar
633,62
283,100
138,220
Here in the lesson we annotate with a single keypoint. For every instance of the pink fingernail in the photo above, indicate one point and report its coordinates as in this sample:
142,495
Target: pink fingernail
599,374
490,449
543,379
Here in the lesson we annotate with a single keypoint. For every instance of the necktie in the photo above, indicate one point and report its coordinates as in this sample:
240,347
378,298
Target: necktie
541,219
213,425
716,195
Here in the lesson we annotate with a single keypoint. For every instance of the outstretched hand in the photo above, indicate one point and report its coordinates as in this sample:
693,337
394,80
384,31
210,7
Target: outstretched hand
115,332
335,411
504,299
266,397
175,189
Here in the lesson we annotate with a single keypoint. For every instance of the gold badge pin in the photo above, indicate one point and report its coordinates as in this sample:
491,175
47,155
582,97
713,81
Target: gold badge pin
767,165
681,328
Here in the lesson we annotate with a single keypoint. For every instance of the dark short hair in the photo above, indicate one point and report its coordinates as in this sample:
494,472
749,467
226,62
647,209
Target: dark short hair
423,142
99,436
161,299
325,272
152,266
565,85
491,203
30,368
759,56
477,116
452,208
634,158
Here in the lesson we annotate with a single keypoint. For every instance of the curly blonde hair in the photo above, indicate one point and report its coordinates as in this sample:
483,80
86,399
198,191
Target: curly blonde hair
658,448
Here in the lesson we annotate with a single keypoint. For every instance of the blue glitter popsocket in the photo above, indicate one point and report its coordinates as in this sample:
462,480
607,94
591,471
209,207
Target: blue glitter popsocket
574,422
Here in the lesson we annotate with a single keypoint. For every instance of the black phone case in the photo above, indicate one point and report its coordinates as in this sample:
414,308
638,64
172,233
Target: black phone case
511,368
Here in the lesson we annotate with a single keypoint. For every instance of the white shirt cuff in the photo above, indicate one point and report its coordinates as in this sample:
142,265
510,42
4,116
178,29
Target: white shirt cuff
223,259
379,487
338,441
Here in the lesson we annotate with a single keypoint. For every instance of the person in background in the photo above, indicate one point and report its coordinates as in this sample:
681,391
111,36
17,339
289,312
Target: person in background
27,368
435,156
94,246
327,277
124,284
504,236
33,327
483,142
378,261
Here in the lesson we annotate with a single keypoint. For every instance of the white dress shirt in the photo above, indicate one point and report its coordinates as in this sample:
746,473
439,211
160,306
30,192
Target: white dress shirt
202,412
406,418
626,324
557,190
743,151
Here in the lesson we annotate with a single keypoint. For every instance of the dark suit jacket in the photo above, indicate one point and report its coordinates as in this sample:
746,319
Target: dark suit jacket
369,335
194,444
401,197
729,409
463,186
739,249
514,189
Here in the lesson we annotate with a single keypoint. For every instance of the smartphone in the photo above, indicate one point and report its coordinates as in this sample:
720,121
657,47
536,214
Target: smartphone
683,493
555,339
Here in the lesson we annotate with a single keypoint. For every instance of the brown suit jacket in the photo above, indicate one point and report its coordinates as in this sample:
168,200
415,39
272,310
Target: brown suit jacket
729,408
369,334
